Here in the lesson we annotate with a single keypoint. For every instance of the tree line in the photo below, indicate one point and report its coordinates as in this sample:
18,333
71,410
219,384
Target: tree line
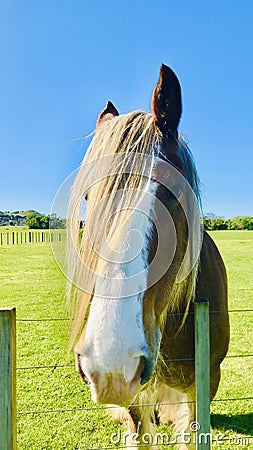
39,221
212,222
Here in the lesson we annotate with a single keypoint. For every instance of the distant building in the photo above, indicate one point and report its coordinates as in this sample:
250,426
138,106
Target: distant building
10,219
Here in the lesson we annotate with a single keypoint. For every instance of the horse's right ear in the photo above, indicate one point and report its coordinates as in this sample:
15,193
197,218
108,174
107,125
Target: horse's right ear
108,113
166,102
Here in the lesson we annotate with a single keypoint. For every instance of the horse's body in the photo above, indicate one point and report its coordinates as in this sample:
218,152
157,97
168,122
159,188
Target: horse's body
175,380
137,346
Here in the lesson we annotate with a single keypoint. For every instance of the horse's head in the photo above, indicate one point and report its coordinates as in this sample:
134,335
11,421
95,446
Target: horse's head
134,179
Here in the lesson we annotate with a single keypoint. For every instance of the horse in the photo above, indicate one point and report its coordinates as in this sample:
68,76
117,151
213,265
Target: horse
138,265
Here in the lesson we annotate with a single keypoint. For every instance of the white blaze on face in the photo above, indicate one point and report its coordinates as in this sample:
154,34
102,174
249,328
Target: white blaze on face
115,337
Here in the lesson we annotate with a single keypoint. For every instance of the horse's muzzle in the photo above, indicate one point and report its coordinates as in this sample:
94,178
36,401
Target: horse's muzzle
113,387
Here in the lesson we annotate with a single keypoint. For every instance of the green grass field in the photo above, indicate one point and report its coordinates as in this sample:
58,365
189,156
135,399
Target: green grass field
31,281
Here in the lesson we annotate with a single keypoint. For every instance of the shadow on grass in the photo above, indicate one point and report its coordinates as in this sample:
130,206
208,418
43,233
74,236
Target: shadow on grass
241,423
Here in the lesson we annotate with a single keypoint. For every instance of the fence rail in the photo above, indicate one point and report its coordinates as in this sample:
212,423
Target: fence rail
8,429
13,237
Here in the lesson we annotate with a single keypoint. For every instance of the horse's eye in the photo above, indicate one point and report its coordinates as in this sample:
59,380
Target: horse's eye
175,195
86,197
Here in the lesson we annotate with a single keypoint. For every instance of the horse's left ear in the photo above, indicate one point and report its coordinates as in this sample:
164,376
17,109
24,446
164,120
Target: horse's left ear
108,113
166,102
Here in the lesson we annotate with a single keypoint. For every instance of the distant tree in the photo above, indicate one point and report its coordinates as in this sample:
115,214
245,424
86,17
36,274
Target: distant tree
220,224
44,222
56,222
33,221
206,222
36,221
212,222
248,223
241,223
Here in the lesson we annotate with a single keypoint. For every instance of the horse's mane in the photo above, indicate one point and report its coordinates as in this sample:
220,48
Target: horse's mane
123,142
190,168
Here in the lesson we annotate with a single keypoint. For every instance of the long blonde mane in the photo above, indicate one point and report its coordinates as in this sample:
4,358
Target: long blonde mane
130,135
133,137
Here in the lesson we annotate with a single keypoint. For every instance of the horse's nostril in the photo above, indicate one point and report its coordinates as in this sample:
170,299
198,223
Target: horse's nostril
80,370
148,365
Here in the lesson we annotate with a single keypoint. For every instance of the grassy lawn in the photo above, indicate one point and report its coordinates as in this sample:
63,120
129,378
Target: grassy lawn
236,417
31,281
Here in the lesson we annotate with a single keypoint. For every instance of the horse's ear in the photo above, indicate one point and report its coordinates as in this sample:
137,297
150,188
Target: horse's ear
108,113
166,102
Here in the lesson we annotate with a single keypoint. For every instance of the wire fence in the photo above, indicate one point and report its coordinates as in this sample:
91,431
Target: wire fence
64,366
105,407
242,442
90,408
12,238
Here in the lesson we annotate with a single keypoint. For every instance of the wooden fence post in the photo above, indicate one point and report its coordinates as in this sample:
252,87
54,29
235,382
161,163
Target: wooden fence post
202,374
8,429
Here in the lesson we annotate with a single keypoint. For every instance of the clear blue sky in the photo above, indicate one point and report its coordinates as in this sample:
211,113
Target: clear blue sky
62,60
